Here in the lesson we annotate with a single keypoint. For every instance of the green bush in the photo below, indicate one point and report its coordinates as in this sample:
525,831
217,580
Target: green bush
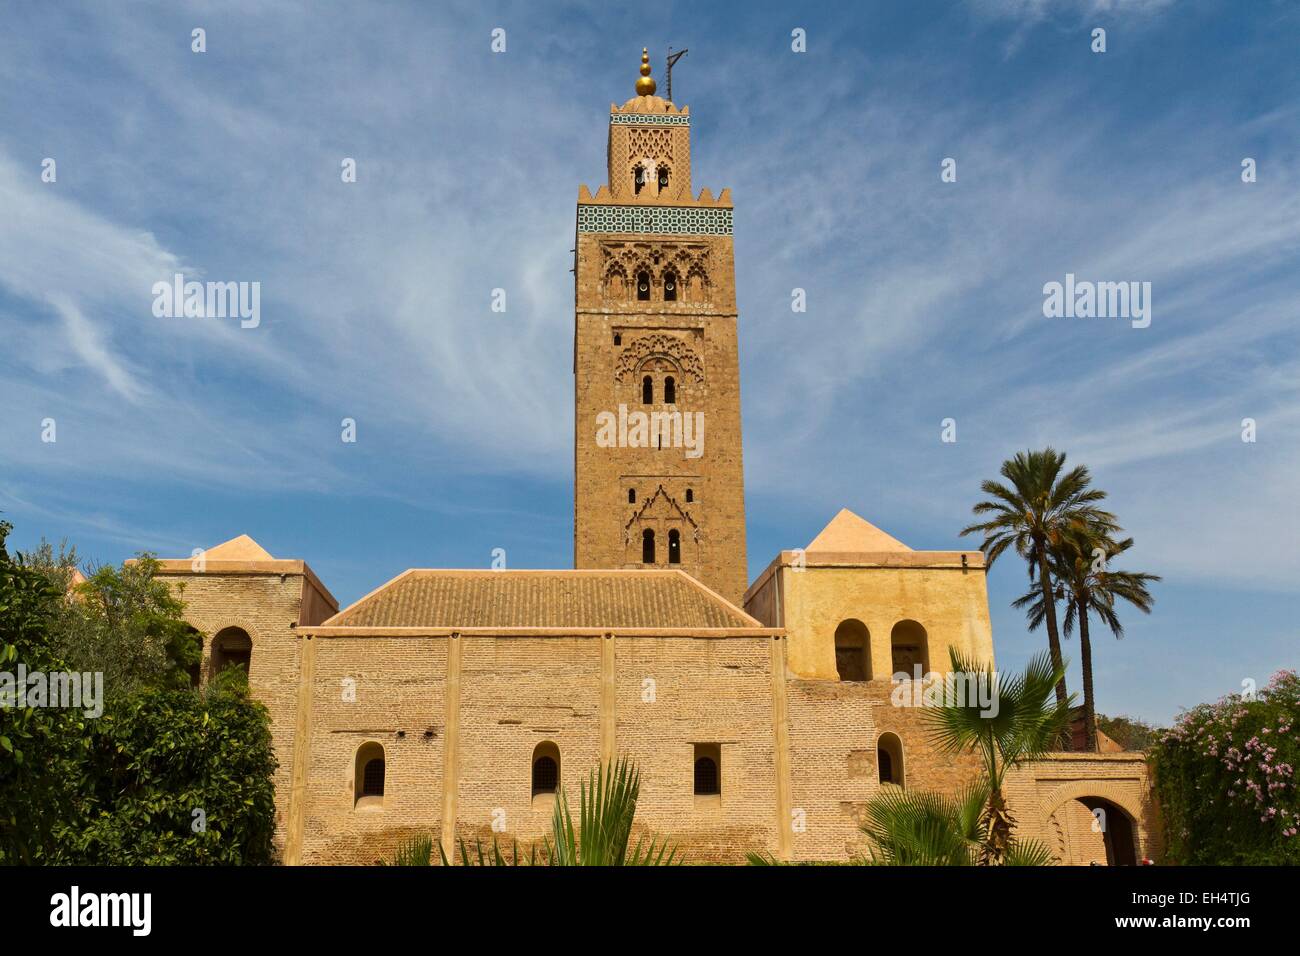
166,775
1225,778
176,777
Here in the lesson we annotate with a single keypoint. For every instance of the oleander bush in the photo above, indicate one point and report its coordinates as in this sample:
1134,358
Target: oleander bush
1225,779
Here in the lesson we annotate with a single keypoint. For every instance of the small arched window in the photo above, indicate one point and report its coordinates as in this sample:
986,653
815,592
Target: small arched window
648,546
889,759
853,651
638,178
670,391
690,495
643,286
674,547
670,287
663,178
631,496
618,339
369,771
546,768
647,391
910,651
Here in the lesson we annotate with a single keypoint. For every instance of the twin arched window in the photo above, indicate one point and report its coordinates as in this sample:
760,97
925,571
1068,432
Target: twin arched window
908,643
671,286
640,174
674,547
648,546
648,390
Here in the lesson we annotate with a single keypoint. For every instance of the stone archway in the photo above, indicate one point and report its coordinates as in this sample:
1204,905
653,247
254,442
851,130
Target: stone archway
1093,823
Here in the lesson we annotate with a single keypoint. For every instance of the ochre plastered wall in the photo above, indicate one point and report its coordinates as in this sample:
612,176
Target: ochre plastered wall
934,588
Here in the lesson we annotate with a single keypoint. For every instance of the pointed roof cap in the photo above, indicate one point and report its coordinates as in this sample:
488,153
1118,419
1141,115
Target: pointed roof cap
848,532
242,548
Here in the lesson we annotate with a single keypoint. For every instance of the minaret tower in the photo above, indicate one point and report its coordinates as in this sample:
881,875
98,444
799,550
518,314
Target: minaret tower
658,473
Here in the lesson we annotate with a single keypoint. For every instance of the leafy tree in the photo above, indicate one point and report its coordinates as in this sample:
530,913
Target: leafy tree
33,795
121,621
124,787
1024,725
1029,514
1129,732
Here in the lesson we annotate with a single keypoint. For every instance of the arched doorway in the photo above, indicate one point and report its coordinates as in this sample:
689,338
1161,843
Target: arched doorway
232,647
1094,831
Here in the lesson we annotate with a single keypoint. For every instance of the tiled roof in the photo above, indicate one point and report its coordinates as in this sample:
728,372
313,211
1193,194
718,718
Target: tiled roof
541,599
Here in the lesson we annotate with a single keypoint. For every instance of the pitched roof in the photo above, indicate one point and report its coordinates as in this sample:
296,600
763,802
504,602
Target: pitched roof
242,548
848,532
541,599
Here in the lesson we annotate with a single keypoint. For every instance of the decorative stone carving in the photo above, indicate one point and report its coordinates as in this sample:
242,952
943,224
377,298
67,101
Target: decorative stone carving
643,347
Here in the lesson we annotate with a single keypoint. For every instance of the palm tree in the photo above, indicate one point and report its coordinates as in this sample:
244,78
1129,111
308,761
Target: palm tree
916,828
1030,514
607,806
1012,720
1078,563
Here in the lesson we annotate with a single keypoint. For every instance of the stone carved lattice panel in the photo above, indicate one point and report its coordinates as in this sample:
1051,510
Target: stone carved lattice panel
647,346
649,144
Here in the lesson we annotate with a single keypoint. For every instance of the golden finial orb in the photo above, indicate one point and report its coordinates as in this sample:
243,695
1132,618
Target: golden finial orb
645,86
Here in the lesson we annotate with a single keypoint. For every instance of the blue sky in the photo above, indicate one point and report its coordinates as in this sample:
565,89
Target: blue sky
924,298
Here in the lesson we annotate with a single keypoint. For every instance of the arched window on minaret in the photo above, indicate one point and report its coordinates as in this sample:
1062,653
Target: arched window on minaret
670,391
638,178
647,546
670,287
674,547
663,178
643,286
631,496
647,391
